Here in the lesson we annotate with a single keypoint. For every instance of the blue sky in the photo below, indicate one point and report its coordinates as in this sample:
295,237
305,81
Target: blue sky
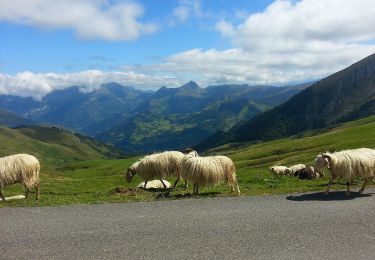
147,44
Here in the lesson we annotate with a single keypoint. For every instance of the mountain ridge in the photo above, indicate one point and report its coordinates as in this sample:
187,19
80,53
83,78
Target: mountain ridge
337,98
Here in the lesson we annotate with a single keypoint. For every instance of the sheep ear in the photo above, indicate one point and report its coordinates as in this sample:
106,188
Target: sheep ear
327,160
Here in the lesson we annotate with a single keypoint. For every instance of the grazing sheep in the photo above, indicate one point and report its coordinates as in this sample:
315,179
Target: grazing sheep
307,173
20,168
348,164
209,171
294,168
157,166
278,170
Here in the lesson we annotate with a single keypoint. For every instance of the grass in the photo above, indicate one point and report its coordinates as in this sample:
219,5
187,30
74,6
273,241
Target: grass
102,181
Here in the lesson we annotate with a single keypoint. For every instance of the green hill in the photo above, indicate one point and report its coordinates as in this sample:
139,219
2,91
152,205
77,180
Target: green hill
301,148
53,146
346,95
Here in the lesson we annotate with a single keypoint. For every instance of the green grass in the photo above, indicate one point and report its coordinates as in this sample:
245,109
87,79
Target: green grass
102,181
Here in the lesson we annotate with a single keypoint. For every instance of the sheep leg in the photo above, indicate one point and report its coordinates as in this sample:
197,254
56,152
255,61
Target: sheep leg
2,195
165,186
27,192
363,187
186,184
144,186
175,183
195,189
347,193
37,192
329,185
238,188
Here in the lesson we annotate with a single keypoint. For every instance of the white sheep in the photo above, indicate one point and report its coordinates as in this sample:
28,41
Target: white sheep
348,164
155,184
157,166
294,168
209,171
278,170
20,168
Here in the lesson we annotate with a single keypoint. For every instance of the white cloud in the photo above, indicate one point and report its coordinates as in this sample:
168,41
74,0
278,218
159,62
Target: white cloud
225,28
38,85
182,13
90,19
288,42
307,26
186,10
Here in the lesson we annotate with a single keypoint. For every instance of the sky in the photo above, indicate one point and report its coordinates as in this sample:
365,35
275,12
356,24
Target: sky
47,45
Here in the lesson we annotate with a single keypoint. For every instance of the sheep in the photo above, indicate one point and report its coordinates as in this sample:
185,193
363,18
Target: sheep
308,173
20,168
157,166
294,168
348,164
278,170
210,171
155,184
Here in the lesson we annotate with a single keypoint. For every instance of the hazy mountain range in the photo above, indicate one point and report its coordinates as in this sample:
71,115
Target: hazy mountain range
346,95
143,121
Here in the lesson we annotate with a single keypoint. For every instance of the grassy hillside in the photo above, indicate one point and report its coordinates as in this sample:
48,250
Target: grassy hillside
100,181
53,146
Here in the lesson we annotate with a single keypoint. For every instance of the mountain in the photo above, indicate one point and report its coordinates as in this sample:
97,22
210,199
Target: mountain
53,145
10,119
346,95
88,113
176,118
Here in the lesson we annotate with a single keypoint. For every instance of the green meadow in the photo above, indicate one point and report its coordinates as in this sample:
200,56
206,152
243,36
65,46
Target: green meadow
102,180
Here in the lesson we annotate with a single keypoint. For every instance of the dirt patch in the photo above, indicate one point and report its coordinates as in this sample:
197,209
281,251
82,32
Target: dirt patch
125,191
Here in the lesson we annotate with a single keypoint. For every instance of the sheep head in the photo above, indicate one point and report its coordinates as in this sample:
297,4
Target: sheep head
190,152
130,174
321,161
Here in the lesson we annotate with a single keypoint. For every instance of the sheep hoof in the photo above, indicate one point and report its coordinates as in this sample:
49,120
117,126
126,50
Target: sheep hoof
361,191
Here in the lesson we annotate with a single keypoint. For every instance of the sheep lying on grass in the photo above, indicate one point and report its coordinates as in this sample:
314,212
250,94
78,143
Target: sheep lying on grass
157,166
294,168
348,164
209,171
155,184
20,168
308,173
277,171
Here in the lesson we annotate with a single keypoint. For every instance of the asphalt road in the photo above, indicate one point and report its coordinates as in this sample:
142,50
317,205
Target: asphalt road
302,226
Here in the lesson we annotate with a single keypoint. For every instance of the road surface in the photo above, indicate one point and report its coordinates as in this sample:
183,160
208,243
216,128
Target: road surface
301,226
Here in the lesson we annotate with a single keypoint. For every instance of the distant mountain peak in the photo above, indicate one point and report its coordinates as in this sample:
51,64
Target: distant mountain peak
191,85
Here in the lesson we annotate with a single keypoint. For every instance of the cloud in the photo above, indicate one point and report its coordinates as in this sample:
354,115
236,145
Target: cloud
90,19
37,85
306,26
225,28
185,10
182,13
289,42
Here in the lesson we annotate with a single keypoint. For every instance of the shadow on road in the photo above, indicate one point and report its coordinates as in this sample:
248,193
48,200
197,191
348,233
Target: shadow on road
334,195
